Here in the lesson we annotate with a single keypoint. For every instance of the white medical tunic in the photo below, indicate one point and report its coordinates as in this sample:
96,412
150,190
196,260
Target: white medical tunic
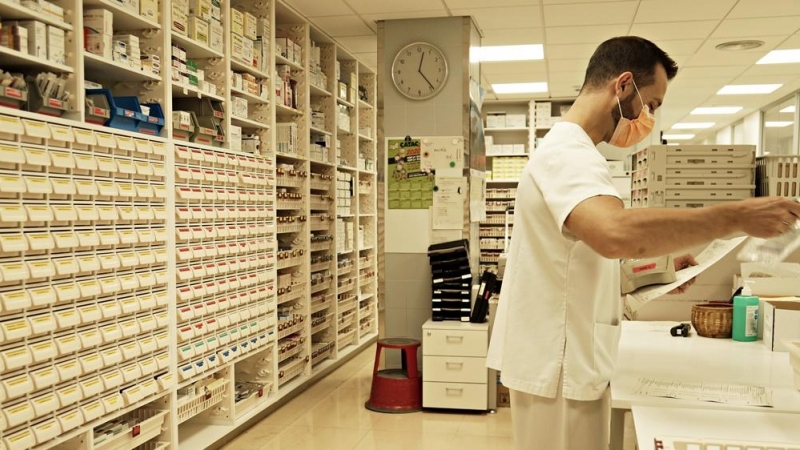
559,305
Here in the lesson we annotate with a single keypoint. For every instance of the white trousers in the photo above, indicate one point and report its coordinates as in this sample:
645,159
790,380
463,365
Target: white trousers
542,423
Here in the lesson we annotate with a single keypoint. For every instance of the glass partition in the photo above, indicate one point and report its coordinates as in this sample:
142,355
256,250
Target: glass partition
779,128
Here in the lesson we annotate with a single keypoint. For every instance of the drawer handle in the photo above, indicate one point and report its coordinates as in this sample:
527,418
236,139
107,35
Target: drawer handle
457,390
455,338
459,365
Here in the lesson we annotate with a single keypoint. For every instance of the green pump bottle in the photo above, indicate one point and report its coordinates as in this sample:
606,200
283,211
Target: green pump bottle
745,315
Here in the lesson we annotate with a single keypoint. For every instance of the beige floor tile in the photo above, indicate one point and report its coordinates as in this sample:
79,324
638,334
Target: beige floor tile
401,440
484,424
420,422
315,438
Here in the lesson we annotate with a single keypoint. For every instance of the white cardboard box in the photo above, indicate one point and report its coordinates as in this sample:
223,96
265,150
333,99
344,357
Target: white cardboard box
56,42
250,26
100,45
496,120
516,121
781,324
198,29
101,21
149,9
215,36
37,38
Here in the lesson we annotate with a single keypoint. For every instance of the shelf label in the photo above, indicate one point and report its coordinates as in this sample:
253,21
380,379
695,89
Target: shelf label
62,133
105,140
11,125
85,137
125,143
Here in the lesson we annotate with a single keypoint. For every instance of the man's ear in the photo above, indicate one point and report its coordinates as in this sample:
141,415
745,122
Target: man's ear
622,83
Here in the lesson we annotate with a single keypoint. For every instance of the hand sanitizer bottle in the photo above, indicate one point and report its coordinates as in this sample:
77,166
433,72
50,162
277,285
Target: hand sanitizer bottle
745,315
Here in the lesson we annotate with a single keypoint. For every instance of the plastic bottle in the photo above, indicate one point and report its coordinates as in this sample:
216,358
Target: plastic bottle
745,315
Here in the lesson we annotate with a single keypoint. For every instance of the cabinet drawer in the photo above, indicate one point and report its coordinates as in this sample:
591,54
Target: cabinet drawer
454,343
454,395
454,369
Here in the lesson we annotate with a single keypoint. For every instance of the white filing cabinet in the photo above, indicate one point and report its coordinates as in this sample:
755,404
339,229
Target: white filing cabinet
454,372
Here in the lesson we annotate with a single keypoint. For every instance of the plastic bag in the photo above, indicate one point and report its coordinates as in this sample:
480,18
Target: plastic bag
773,250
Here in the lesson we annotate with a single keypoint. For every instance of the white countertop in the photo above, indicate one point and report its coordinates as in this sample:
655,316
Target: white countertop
647,350
756,425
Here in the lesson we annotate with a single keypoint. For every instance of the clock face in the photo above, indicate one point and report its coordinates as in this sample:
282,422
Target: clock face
419,71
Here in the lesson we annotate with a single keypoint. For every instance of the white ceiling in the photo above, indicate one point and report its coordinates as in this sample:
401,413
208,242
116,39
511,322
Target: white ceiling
688,30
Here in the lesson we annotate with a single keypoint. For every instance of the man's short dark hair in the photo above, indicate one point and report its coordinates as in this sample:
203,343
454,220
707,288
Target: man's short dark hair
627,54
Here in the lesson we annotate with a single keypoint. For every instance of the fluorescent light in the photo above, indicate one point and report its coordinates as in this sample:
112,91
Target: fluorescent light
677,137
715,110
746,89
778,124
519,88
693,125
781,57
788,109
496,53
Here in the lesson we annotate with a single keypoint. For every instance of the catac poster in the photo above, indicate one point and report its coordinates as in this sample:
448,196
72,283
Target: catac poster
410,187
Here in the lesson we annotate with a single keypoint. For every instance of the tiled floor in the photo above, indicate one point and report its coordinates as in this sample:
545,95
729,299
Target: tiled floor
331,416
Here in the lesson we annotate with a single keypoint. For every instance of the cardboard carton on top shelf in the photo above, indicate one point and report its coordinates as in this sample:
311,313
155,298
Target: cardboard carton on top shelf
215,36
15,37
247,51
149,9
250,26
37,37
99,21
100,45
56,45
516,121
200,8
496,120
198,29
237,22
179,19
237,47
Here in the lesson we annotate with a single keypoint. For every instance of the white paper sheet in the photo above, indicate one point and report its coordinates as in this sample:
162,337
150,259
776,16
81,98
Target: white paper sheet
477,196
707,258
732,394
442,153
447,212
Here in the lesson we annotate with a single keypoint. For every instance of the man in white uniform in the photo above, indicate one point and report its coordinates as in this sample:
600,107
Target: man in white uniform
557,327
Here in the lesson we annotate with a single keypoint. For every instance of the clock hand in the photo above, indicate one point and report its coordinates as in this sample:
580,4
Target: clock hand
420,64
426,79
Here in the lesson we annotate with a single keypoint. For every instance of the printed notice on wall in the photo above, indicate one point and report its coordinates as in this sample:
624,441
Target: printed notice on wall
447,212
442,155
409,186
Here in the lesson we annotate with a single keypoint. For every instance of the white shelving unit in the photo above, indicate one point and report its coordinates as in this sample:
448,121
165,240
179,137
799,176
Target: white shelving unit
172,281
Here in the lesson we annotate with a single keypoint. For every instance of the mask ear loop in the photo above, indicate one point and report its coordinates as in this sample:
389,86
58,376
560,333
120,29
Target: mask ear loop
637,93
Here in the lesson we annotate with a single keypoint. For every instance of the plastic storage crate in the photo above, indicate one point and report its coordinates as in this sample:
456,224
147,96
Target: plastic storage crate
126,113
39,104
209,115
98,111
778,176
13,98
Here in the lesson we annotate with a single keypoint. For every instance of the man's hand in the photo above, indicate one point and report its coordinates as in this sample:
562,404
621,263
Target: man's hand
683,262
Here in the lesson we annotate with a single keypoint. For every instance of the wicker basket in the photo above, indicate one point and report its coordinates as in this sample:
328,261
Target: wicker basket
713,320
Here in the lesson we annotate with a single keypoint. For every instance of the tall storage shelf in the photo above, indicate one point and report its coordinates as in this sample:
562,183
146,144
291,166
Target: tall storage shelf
182,272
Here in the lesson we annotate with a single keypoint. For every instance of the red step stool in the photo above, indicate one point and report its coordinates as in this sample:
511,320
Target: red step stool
396,390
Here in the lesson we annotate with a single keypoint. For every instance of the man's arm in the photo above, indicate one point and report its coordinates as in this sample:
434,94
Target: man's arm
616,233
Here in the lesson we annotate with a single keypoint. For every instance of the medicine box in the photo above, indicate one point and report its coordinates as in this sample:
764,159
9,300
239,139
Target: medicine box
250,26
198,29
781,324
215,37
37,38
99,21
237,22
516,121
15,37
56,41
179,19
149,9
496,120
201,9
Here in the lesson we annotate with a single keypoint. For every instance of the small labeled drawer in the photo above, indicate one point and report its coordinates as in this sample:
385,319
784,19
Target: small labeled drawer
454,369
454,343
454,395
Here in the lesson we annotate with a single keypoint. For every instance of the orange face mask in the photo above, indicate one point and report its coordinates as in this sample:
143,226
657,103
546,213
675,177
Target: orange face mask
630,132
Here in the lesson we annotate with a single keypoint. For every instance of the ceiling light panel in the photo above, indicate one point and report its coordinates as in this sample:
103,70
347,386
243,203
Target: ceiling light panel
677,137
787,56
519,88
748,89
497,53
778,124
693,125
715,110
788,110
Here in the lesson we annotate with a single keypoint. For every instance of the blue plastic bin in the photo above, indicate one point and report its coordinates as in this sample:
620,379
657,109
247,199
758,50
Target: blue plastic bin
124,113
153,123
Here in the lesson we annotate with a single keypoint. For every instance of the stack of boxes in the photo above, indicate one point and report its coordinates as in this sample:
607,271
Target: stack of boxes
35,38
501,120
250,84
199,20
493,149
289,49
186,71
508,168
543,115
98,26
285,87
317,78
344,193
248,36
692,176
286,138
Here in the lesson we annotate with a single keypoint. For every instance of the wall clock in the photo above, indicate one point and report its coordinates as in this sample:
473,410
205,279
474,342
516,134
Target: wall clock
419,71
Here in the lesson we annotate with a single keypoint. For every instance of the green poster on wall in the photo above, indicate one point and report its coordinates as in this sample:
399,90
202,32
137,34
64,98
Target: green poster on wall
410,187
